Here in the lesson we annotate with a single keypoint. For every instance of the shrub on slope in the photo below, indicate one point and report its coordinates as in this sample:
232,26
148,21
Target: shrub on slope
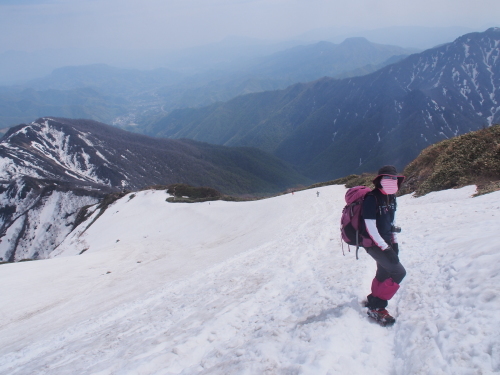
472,158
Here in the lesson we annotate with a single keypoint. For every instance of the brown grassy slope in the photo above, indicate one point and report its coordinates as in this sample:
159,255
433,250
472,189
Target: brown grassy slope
472,158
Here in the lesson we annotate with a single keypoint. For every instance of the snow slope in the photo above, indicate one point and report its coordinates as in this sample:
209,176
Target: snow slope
256,288
41,221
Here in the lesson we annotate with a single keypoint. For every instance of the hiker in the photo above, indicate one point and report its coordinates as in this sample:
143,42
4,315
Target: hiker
379,209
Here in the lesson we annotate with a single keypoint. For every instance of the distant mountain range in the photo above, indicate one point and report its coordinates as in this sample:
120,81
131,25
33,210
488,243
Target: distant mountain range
309,62
23,105
130,97
106,79
330,128
97,92
18,67
355,56
405,36
53,167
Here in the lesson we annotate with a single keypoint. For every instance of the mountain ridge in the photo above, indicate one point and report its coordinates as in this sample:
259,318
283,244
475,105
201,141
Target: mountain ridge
386,117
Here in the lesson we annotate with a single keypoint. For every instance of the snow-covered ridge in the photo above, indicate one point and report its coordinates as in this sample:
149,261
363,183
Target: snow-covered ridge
469,67
47,173
257,287
43,140
439,93
80,161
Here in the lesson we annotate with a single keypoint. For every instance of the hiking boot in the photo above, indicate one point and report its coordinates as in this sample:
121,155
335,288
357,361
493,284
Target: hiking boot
373,302
382,316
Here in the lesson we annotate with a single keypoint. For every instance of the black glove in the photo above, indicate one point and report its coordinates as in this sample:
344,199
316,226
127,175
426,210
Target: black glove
395,247
391,255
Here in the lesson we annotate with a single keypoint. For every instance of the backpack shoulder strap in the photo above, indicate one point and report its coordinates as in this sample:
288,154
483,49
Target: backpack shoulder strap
371,193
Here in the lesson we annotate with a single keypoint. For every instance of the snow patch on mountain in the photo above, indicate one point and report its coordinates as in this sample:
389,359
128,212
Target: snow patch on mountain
55,146
40,223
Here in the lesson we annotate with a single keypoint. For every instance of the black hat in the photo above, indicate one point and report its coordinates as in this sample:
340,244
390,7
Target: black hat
388,170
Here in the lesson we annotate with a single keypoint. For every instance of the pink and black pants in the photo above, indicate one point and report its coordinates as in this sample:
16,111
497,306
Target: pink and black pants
387,279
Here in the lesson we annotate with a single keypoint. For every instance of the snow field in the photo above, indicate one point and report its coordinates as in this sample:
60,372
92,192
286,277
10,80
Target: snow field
256,288
454,249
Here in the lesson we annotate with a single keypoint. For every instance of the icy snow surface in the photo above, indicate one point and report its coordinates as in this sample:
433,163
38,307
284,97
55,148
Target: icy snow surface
256,288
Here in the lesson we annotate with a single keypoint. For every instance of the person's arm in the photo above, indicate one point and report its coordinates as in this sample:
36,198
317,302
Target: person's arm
371,228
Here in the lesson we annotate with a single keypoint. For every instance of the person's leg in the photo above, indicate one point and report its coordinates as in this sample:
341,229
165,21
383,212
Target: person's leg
385,268
386,281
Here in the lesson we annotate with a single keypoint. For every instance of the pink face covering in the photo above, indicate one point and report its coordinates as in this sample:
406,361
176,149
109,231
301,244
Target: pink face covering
389,186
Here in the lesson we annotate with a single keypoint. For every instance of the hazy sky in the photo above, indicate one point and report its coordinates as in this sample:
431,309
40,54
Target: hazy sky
157,24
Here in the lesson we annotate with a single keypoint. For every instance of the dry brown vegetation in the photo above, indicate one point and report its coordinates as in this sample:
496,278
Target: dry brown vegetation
472,158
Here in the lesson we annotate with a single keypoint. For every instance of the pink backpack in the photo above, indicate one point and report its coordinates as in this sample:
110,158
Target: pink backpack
352,225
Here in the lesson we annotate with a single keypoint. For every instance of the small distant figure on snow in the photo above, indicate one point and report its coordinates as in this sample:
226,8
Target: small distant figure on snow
317,194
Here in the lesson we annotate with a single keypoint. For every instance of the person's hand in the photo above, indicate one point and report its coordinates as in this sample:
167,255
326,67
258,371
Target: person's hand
391,255
395,247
